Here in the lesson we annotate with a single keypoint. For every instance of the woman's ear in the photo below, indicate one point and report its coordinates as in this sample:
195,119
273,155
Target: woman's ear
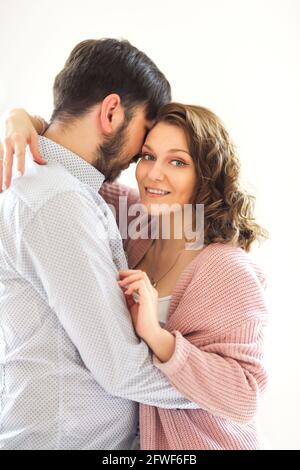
111,114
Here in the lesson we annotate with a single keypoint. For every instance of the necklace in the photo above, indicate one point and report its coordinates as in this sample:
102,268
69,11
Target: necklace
155,282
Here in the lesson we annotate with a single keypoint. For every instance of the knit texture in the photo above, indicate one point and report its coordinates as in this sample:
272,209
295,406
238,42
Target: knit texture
218,315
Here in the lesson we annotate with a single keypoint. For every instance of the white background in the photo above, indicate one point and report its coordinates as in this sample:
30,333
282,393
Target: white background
241,59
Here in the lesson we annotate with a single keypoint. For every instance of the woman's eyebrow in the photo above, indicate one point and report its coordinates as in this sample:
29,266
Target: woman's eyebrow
148,146
179,150
171,150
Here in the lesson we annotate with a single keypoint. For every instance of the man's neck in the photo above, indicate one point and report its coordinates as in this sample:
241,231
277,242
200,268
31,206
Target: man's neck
75,138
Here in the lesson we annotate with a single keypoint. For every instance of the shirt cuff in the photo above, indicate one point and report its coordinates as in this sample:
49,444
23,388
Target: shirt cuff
179,357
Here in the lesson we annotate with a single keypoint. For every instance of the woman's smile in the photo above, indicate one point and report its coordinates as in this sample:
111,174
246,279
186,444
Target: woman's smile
156,192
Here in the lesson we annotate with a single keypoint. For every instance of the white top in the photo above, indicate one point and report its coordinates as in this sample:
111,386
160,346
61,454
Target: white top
163,308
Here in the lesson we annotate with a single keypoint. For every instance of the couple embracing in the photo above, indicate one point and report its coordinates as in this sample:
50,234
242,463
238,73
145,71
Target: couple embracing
140,342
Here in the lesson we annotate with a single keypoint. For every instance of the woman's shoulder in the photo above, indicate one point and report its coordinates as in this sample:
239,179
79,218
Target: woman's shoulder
225,290
226,261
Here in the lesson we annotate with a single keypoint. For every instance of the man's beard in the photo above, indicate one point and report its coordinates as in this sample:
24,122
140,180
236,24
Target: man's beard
110,154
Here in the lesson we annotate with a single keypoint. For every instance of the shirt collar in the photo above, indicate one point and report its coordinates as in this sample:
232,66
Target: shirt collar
74,164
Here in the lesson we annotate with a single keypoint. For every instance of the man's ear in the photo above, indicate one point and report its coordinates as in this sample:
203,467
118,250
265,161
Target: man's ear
111,114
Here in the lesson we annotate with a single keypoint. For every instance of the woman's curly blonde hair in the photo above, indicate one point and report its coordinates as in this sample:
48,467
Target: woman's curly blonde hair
228,209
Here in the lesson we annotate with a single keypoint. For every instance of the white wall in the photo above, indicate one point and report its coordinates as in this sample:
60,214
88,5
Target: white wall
241,59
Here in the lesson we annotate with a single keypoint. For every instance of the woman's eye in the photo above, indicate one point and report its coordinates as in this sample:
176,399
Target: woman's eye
147,156
178,163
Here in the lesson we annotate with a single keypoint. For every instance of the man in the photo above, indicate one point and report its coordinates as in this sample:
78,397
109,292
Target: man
72,367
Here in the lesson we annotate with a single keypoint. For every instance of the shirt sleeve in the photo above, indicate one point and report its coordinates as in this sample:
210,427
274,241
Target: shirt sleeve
66,246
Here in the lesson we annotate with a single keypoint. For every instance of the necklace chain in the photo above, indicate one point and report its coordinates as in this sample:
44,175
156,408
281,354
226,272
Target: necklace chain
155,282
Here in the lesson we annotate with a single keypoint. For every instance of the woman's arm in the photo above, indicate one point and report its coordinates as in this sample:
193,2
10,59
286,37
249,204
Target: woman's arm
144,313
226,377
219,363
17,130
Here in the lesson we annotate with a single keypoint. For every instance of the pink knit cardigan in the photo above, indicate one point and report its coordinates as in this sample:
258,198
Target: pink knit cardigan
218,315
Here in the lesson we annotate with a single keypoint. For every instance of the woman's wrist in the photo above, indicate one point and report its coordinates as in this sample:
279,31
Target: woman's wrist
14,113
162,343
14,116
38,122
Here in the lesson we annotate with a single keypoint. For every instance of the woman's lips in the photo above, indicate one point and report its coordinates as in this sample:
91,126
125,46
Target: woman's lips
155,195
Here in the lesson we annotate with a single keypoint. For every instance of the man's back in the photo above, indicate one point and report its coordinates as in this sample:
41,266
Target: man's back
49,398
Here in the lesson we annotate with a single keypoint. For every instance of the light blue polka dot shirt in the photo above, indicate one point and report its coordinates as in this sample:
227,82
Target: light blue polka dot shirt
72,370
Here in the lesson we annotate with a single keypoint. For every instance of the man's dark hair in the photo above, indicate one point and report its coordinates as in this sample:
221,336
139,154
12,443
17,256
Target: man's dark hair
97,68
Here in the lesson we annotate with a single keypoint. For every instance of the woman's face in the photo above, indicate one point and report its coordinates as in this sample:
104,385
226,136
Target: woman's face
166,172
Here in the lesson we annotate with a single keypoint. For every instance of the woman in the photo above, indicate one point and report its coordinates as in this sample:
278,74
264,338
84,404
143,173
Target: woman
205,318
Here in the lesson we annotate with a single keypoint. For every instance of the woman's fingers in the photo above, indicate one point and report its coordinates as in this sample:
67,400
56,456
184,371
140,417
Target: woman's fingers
20,147
7,163
130,301
132,275
16,148
138,286
131,278
1,166
129,271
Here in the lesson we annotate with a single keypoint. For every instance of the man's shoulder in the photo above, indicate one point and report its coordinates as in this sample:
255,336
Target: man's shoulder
41,184
47,197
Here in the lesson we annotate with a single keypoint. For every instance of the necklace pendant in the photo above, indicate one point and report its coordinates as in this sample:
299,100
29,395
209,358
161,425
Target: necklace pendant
154,284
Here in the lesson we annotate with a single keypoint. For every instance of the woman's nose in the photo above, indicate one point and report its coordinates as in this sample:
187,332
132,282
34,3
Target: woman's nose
156,173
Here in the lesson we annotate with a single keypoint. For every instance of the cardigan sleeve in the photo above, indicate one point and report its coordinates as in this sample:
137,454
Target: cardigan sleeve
224,371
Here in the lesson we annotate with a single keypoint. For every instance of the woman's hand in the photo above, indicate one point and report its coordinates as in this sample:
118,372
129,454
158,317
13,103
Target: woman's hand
144,313
17,131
